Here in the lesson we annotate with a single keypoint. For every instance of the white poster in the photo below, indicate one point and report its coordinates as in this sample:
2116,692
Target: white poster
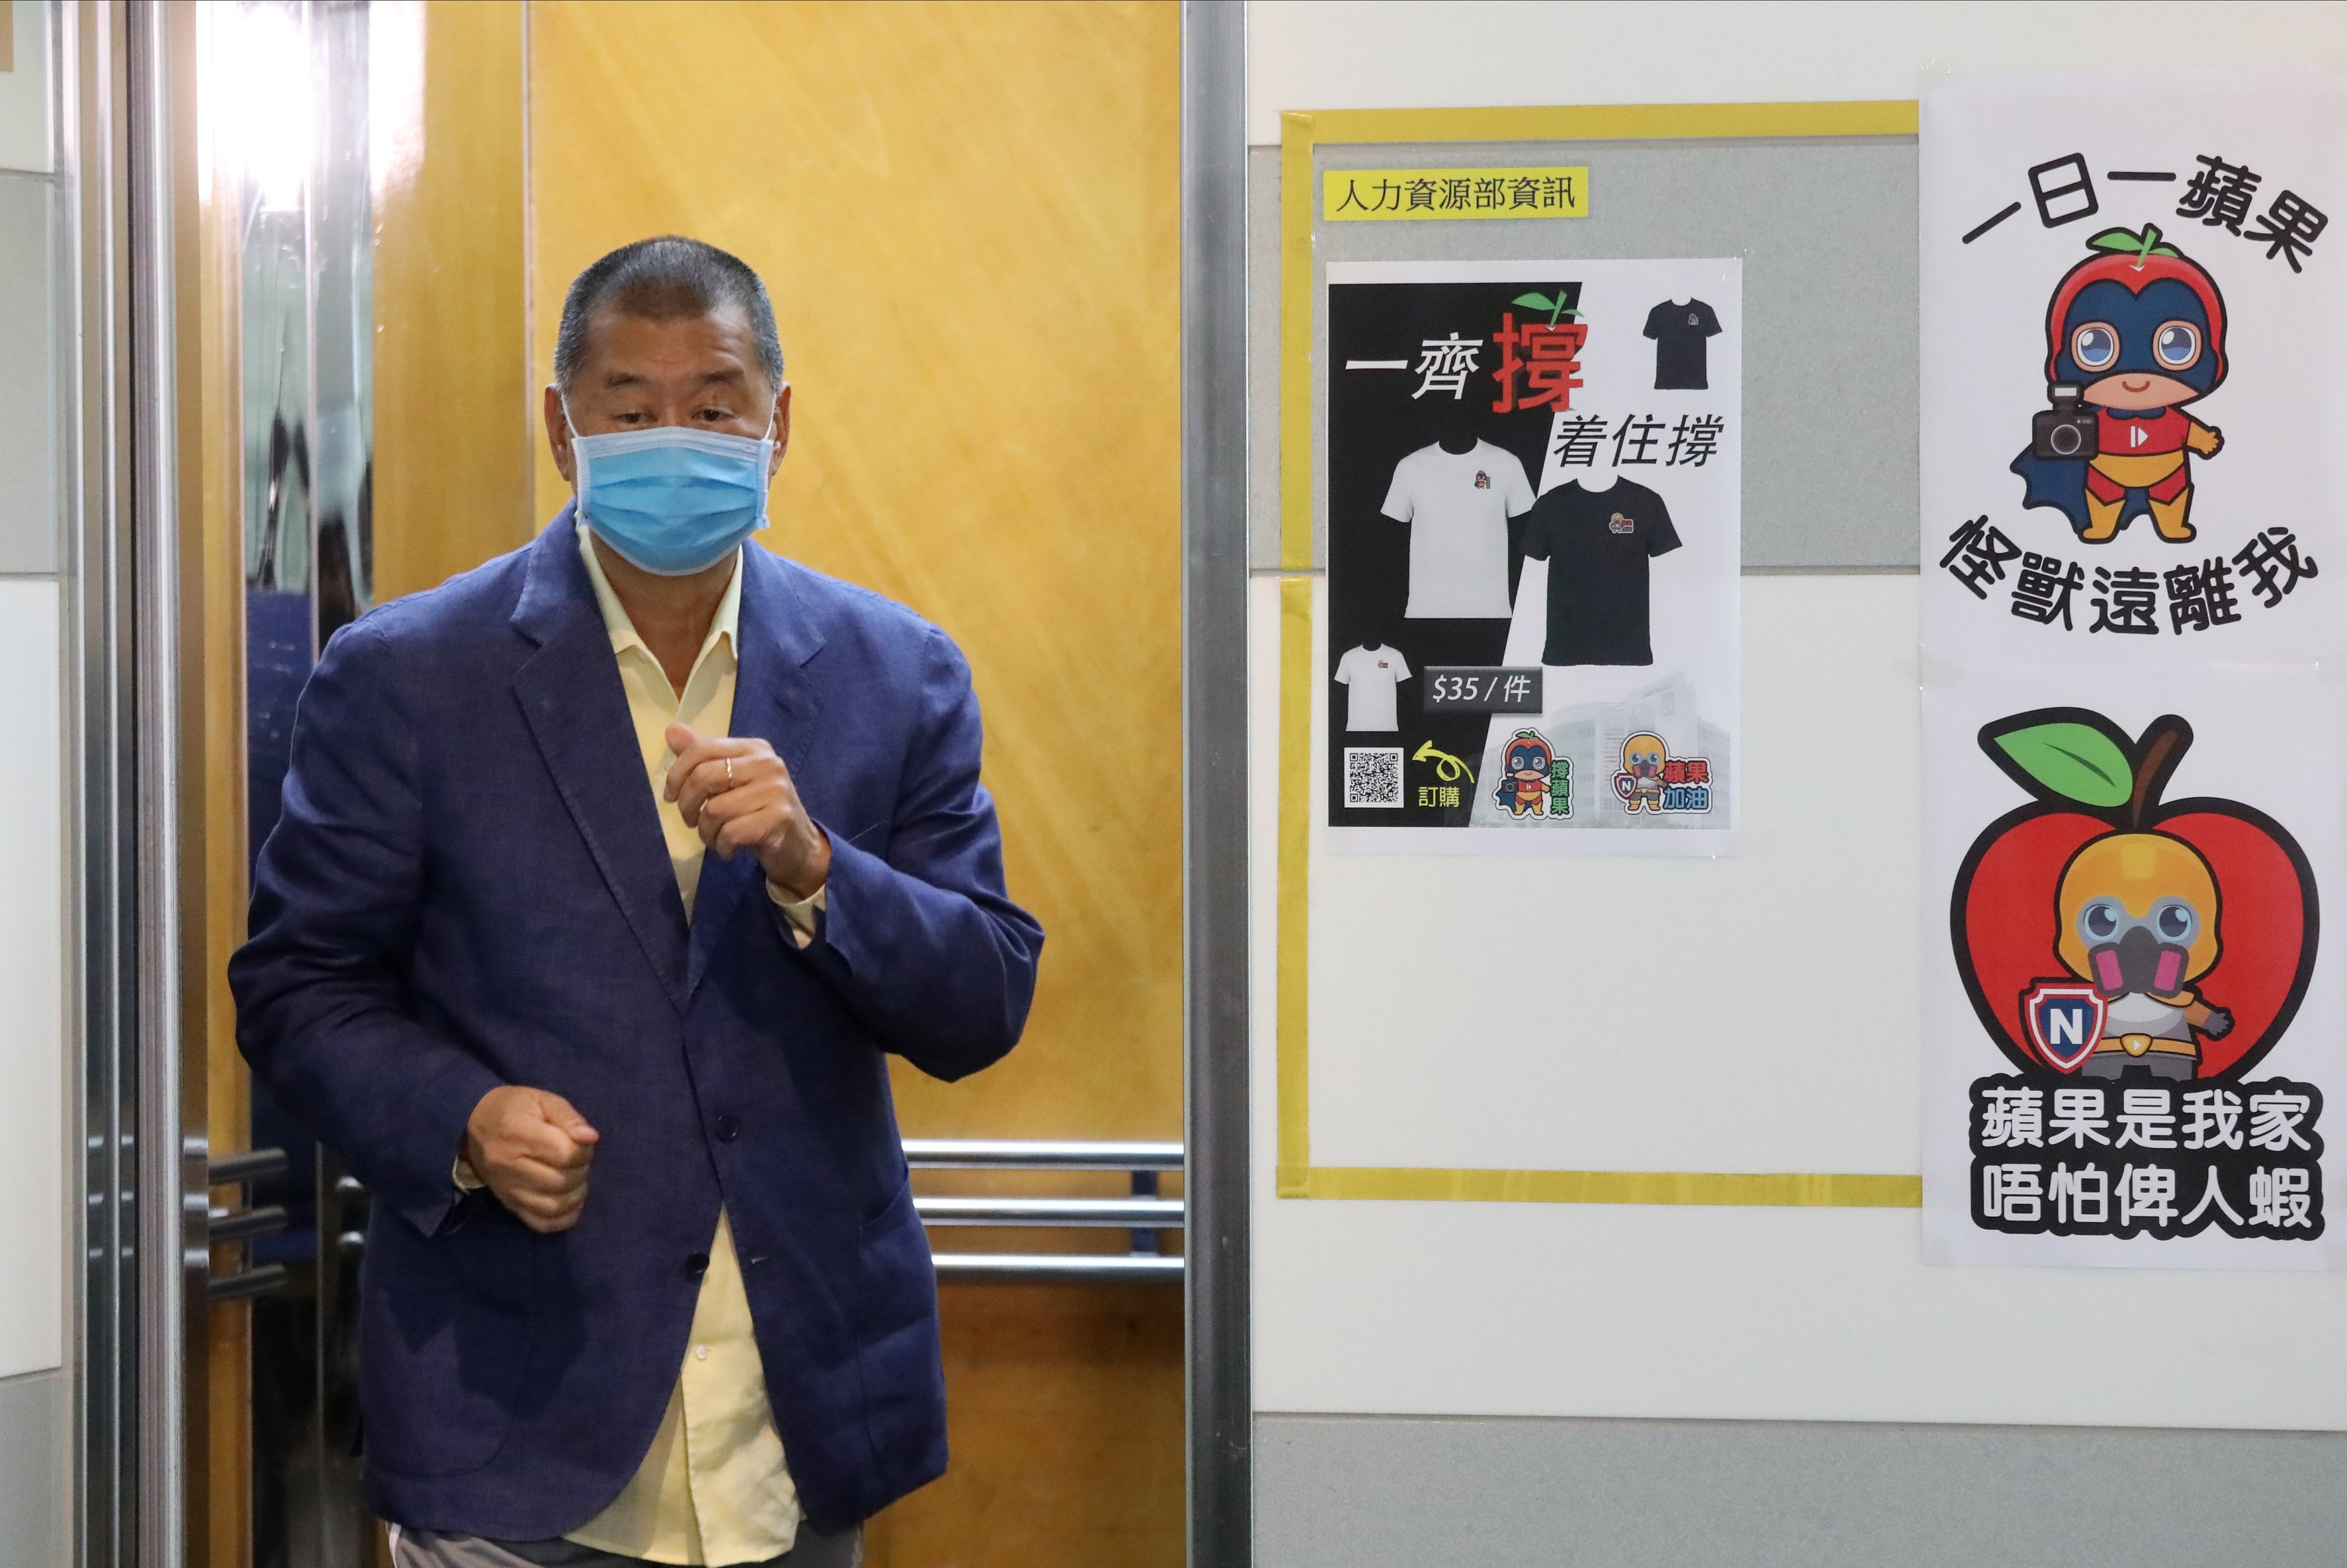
1534,546
2132,502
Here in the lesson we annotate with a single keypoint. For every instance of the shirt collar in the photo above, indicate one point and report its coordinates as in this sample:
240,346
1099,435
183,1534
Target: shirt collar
725,625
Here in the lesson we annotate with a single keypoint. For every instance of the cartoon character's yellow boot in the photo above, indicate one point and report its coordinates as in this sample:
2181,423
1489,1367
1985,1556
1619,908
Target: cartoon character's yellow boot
2169,518
2102,520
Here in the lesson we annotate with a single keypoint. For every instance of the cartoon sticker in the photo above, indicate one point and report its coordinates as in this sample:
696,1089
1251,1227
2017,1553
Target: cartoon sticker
1533,780
1652,780
2134,958
2134,322
2134,333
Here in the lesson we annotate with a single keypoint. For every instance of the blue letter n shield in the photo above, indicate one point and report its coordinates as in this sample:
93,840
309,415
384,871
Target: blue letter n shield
2065,1019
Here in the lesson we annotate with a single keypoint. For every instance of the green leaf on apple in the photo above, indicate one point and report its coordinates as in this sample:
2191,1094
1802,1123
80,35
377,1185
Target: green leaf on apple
2125,241
2077,762
1554,307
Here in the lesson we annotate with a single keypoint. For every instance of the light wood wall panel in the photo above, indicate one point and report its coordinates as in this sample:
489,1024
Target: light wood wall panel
969,216
212,804
1064,1410
453,415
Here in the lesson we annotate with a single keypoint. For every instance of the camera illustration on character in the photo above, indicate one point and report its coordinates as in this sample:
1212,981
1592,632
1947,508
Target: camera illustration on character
2133,333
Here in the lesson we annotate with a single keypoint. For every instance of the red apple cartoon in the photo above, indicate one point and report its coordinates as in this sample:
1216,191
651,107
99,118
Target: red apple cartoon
2104,934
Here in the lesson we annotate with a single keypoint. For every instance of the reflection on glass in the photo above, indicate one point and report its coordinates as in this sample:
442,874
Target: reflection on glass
288,110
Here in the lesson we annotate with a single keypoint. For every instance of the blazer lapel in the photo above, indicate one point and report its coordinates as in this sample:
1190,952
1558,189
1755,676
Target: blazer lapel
775,701
571,698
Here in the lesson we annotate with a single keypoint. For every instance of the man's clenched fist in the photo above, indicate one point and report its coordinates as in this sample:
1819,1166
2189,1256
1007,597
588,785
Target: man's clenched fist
532,1149
737,794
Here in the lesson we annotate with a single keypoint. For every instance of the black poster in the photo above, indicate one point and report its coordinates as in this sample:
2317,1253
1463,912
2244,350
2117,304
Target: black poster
1488,433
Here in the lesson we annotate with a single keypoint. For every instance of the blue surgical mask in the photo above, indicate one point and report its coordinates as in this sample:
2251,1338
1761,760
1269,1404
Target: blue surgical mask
672,501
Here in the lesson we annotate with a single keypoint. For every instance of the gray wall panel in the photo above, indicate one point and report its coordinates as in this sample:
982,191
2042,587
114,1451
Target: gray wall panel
1339,1491
1826,228
32,1478
1263,358
28,376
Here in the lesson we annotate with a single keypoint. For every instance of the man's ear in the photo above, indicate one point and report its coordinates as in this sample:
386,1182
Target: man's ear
557,433
782,429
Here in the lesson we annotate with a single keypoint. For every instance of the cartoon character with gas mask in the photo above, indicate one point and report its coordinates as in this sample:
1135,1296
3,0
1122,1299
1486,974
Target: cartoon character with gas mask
1640,782
2134,333
2139,916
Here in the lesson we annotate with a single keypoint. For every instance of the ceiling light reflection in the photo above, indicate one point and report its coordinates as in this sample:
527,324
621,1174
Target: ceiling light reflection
261,94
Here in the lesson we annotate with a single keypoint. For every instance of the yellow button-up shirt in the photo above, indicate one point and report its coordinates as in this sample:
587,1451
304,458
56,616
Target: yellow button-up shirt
714,1487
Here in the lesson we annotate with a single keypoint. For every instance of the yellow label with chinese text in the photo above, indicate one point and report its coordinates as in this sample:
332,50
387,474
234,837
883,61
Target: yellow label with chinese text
1390,195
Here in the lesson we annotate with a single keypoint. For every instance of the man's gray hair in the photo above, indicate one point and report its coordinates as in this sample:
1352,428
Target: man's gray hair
663,279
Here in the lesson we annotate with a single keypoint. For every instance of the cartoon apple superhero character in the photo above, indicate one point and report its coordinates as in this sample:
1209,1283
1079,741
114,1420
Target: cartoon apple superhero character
2148,898
2134,332
1524,778
1640,782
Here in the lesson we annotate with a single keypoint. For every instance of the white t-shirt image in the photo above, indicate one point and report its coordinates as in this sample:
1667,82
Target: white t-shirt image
1458,508
1369,675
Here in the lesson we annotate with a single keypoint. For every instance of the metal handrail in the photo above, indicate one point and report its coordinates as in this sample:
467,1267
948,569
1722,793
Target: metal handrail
1058,1266
242,1225
258,1280
245,1224
246,1165
1017,1154
1123,1214
1144,1213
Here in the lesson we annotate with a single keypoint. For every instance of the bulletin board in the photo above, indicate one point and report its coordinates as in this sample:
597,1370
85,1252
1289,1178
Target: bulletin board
1634,1137
1831,336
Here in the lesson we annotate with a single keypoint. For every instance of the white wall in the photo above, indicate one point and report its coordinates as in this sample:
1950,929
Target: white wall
1410,54
32,980
1590,1310
25,136
1746,1059
32,760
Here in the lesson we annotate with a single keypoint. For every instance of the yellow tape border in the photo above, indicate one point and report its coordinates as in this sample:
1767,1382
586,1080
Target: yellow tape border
1766,1189
1300,134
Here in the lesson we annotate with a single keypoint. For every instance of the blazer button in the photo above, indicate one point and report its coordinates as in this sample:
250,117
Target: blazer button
726,1128
697,1264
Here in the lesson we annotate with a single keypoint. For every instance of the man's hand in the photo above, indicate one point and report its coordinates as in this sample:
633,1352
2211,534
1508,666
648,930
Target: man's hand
738,795
533,1150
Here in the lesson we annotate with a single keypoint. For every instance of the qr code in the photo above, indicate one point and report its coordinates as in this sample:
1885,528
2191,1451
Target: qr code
1373,776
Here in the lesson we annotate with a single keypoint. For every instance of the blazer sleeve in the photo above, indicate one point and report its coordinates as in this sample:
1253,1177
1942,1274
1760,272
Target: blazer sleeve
320,982
923,944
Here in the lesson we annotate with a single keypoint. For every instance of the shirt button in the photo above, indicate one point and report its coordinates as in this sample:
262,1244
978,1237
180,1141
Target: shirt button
726,1128
700,1352
697,1264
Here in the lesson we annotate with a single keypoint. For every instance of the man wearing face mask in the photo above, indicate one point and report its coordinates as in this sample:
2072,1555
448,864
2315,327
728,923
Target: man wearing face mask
607,875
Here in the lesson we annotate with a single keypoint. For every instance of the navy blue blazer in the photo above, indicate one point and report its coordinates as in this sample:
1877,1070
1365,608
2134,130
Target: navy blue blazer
468,887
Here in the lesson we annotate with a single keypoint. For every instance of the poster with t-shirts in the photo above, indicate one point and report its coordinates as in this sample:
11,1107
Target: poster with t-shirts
1534,546
2133,561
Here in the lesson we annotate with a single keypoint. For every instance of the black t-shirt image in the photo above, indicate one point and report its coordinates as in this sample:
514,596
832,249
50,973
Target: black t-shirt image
1681,335
1597,544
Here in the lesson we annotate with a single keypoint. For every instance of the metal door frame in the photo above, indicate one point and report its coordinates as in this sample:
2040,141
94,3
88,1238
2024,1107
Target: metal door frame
140,1226
1219,1461
137,1295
